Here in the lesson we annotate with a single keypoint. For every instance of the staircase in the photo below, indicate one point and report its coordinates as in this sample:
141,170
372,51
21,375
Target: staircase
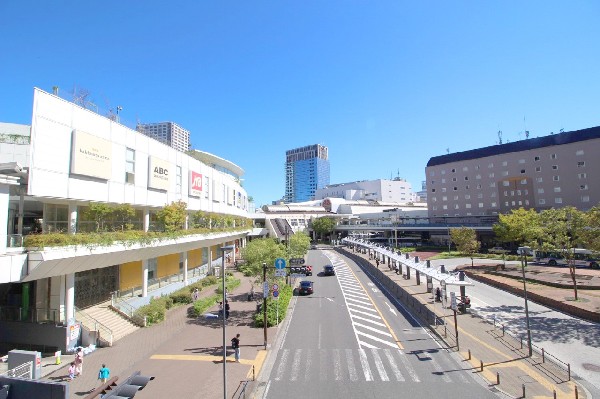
117,324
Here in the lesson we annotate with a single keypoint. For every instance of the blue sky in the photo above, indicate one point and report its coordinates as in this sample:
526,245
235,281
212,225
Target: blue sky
385,85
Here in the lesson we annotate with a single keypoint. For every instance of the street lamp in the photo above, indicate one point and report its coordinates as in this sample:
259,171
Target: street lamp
119,108
224,250
523,252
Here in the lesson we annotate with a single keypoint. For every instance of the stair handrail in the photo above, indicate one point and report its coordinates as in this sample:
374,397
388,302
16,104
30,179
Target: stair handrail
98,326
127,310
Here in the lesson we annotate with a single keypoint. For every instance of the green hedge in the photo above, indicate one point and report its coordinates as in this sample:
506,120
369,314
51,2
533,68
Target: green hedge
203,304
285,295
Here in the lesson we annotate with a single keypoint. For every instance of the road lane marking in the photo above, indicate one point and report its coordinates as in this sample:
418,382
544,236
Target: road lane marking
392,362
365,365
296,364
377,330
282,364
379,365
351,369
323,365
371,337
308,364
368,320
337,365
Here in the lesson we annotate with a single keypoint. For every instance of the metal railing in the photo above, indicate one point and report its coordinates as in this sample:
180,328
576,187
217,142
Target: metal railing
240,392
104,333
127,310
25,370
29,315
14,240
156,283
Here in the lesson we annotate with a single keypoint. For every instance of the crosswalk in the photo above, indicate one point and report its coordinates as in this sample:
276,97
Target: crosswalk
364,365
369,328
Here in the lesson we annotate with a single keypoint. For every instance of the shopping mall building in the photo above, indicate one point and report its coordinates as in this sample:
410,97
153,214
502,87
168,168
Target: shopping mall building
71,157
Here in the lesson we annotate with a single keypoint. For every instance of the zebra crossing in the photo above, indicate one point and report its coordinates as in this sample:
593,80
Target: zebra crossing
363,365
369,328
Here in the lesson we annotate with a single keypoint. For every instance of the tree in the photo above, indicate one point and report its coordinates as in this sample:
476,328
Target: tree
299,244
173,216
465,240
521,226
98,212
123,216
564,229
591,235
259,251
323,225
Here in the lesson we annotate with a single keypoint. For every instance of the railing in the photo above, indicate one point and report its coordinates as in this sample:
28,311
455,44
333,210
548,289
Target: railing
240,392
127,310
104,333
14,240
156,283
25,370
29,315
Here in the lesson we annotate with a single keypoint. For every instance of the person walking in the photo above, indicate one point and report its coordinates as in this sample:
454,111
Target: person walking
72,371
103,374
79,362
226,309
195,294
235,344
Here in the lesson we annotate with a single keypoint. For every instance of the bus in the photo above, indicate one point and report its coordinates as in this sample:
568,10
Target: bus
581,258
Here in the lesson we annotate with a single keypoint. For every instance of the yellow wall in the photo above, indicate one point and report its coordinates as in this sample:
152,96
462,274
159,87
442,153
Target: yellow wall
167,265
194,258
130,275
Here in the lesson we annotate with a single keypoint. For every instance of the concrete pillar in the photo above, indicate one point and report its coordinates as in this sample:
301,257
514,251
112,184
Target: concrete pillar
209,260
20,214
72,218
4,191
184,256
70,296
146,219
418,277
145,278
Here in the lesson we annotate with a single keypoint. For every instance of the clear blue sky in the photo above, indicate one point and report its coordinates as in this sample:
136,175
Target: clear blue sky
385,85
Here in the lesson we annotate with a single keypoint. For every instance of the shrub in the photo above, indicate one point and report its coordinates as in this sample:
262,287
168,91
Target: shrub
154,312
208,280
231,283
203,304
285,295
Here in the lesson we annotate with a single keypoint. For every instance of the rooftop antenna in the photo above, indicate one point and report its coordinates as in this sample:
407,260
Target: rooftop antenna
55,90
499,136
448,150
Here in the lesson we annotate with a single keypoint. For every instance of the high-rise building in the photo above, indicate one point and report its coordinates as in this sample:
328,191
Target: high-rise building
306,170
169,133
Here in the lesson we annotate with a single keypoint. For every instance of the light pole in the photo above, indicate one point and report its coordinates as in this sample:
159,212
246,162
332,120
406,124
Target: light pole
223,251
523,254
119,108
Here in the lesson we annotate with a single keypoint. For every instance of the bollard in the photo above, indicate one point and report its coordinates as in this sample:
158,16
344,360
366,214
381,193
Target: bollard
554,393
497,378
569,370
481,367
523,386
576,393
521,339
543,356
469,355
503,330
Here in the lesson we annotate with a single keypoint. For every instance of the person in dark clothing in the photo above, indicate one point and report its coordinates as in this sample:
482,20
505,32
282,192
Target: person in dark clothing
226,309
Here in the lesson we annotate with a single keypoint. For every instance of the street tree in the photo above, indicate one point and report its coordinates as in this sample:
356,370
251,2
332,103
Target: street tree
299,244
259,251
521,226
465,240
173,216
123,215
591,234
98,212
564,229
323,225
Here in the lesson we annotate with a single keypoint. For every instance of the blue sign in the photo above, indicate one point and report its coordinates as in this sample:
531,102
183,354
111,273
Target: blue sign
279,263
275,294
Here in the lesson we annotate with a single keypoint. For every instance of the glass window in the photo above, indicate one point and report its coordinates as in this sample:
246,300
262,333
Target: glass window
557,189
585,198
558,200
536,158
178,179
583,187
540,191
521,161
504,163
579,152
506,183
580,164
553,156
129,166
538,168
539,179
541,201
555,178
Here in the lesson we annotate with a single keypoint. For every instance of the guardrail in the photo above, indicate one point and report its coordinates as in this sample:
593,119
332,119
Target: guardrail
156,283
104,333
127,310
24,370
29,315
14,240
241,389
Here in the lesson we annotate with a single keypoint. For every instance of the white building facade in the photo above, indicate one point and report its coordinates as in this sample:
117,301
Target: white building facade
383,190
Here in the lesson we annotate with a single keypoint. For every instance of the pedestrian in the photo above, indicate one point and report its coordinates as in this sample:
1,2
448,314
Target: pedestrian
226,295
226,309
103,374
195,294
377,262
221,308
235,344
72,371
79,362
438,294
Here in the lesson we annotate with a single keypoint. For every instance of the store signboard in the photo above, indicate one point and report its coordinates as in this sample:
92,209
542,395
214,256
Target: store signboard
159,173
91,155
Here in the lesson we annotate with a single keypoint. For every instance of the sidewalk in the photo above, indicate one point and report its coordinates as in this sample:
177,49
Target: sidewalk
184,354
483,347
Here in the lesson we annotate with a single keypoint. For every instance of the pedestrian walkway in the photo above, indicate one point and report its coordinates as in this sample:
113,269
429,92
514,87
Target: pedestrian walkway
183,353
485,349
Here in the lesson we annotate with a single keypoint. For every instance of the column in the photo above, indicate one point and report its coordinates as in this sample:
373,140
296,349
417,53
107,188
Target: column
20,214
70,296
72,218
209,260
144,278
4,199
146,219
185,268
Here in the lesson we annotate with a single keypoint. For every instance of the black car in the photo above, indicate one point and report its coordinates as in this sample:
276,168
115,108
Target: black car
305,288
328,270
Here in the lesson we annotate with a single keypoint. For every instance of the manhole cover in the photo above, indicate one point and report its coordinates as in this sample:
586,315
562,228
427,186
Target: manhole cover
591,367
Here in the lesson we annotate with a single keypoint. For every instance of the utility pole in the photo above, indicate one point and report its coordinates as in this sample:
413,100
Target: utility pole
265,303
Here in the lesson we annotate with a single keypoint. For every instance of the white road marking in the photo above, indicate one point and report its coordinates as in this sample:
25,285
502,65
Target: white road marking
362,307
296,364
393,345
358,301
379,365
365,365
377,330
308,364
409,368
337,365
392,362
391,309
351,368
282,363
368,320
323,365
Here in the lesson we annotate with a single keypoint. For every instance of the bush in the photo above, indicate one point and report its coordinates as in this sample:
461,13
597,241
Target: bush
203,304
231,283
285,295
208,280
154,312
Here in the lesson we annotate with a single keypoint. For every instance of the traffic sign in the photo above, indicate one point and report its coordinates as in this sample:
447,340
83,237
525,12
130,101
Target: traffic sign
297,261
297,275
279,263
453,300
275,294
275,287
265,289
280,273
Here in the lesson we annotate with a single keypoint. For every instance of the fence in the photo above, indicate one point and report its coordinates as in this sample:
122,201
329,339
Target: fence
25,370
104,333
30,315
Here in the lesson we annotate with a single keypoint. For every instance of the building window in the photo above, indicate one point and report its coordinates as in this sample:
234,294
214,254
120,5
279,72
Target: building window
480,195
523,181
557,189
505,173
455,188
504,163
493,195
432,173
493,184
466,177
468,206
456,198
538,168
476,167
540,191
521,161
536,158
465,168
582,175
522,171
433,182
445,207
493,204
481,204
581,164
456,206
539,179
443,181
178,179
433,199
467,196
554,167
467,187
506,183
444,198
558,200
491,175
579,152
583,187
541,201
585,198
435,207
443,189
453,170
444,172
479,187
490,166
433,190
206,186
555,178
478,177
454,179
129,166
553,156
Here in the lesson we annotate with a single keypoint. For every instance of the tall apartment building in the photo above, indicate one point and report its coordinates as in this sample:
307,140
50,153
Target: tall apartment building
382,190
306,170
541,173
169,133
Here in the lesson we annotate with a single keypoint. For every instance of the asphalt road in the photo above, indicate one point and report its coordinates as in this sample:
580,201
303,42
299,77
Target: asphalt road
572,340
348,340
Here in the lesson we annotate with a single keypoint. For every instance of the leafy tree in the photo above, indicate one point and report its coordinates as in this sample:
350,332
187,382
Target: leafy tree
564,229
323,225
123,215
591,235
521,226
173,216
200,219
465,240
259,251
299,244
98,212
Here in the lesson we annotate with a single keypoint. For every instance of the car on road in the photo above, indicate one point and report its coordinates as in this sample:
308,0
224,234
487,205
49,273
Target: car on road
328,270
313,246
305,288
